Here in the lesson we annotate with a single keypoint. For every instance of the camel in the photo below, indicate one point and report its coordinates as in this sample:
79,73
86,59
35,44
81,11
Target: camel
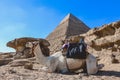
57,62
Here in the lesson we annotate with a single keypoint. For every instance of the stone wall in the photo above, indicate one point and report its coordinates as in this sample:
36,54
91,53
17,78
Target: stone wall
104,41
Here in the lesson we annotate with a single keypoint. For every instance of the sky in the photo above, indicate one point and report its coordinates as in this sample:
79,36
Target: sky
38,18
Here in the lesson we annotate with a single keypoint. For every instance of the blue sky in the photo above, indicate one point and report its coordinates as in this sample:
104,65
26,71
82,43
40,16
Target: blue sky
37,18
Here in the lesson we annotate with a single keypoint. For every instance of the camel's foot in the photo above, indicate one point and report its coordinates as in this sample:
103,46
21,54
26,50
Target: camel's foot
64,71
46,69
100,66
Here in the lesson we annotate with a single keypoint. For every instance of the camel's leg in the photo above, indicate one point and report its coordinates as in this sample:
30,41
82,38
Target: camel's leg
45,69
48,69
52,64
85,68
64,71
91,63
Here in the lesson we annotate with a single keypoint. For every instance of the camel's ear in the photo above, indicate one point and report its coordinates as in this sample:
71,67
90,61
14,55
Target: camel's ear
45,42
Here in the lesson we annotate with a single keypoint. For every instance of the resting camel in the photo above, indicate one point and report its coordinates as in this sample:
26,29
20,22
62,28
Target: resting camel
57,62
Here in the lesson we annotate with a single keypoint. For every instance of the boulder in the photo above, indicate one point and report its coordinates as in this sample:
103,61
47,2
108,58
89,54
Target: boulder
19,45
19,62
6,55
28,66
113,59
5,61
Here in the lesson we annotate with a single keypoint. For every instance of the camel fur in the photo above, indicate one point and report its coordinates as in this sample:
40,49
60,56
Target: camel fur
57,62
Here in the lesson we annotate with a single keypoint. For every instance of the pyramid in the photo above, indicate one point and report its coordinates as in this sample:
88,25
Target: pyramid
69,26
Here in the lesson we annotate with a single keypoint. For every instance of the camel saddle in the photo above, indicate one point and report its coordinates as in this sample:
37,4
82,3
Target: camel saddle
77,50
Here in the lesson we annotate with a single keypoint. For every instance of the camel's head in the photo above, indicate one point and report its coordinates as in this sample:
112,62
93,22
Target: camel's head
43,46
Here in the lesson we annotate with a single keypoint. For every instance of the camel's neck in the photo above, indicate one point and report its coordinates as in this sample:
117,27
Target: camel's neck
39,56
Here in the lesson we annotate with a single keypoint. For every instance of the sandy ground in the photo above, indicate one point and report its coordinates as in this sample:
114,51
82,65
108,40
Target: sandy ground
109,72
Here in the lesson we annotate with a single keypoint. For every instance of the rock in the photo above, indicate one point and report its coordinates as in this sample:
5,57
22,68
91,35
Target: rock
19,45
20,42
28,66
6,55
113,59
5,61
18,62
28,53
18,55
44,49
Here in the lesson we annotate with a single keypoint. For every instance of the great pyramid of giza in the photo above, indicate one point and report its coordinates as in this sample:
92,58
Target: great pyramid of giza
69,26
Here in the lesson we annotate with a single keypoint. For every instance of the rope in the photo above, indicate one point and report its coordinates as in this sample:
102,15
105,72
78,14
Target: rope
67,64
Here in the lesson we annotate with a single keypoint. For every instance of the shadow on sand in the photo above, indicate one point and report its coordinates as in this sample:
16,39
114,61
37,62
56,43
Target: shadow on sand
100,73
108,73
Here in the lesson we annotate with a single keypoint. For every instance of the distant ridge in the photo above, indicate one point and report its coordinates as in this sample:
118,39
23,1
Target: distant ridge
69,26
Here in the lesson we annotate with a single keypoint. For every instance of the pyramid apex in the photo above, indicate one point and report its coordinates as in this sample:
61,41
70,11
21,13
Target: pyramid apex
70,16
66,18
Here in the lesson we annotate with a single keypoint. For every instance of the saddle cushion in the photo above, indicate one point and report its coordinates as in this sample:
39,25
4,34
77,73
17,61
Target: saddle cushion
77,51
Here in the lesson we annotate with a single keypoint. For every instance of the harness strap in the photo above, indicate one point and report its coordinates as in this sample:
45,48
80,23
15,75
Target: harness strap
67,63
